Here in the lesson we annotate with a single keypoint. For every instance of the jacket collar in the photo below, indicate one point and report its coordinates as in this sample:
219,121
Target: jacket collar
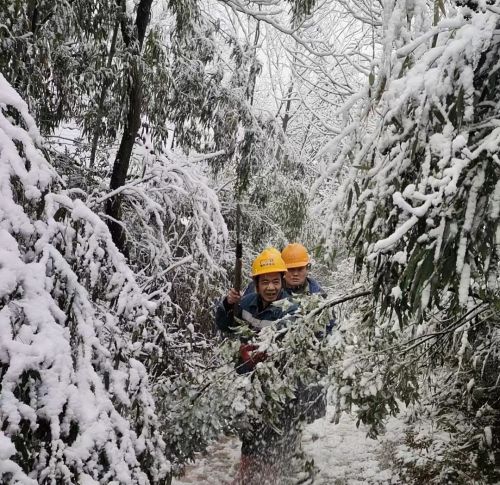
260,303
301,289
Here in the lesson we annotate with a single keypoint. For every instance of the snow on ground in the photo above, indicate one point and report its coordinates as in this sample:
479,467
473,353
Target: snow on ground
342,452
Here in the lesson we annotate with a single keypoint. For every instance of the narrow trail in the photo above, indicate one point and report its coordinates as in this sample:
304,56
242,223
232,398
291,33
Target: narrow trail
342,453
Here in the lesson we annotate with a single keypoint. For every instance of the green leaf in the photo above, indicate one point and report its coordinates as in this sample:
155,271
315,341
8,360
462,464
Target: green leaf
439,115
441,7
459,106
405,66
349,199
357,189
356,239
421,279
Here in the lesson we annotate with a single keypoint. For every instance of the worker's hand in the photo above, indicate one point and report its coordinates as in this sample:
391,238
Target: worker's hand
251,356
233,296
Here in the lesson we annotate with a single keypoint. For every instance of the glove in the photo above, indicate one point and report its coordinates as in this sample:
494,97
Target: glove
248,354
249,357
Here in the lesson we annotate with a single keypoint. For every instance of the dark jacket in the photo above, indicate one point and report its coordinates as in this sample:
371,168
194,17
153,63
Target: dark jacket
310,287
251,311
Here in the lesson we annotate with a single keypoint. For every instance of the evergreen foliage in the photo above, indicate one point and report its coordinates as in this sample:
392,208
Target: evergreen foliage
55,56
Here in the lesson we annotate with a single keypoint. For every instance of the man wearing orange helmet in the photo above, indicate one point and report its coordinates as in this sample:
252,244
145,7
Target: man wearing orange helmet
298,282
297,279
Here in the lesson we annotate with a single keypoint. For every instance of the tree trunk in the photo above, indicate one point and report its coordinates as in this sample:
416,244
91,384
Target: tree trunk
254,70
133,39
286,118
102,96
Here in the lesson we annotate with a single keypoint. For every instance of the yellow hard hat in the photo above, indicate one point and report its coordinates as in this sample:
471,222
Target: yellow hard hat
295,256
273,250
268,261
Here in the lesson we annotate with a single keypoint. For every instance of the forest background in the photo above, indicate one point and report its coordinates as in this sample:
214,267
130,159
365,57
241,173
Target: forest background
367,130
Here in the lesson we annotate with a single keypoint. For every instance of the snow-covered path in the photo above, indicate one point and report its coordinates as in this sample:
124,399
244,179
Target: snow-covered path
343,454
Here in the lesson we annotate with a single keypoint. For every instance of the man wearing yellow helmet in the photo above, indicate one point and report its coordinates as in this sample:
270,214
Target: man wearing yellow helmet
268,270
258,311
251,286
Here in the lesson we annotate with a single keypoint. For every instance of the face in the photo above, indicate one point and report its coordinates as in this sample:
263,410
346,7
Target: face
296,276
269,286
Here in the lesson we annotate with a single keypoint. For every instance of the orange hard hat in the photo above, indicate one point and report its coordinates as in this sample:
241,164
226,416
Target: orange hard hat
295,256
268,261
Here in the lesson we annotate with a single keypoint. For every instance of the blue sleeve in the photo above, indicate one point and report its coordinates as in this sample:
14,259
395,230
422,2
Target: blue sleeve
224,316
315,287
331,324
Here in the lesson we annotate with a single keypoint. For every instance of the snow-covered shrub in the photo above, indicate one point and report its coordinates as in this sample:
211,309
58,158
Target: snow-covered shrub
424,211
75,400
176,232
445,439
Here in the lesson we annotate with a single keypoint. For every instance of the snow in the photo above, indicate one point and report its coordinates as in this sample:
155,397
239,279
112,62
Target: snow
400,257
387,243
341,452
87,480
488,436
495,202
426,294
463,290
396,292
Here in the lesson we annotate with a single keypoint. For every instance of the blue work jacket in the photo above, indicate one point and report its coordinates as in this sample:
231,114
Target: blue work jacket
252,311
310,287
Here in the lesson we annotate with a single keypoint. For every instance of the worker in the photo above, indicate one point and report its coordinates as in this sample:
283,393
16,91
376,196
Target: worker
251,285
298,263
261,444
